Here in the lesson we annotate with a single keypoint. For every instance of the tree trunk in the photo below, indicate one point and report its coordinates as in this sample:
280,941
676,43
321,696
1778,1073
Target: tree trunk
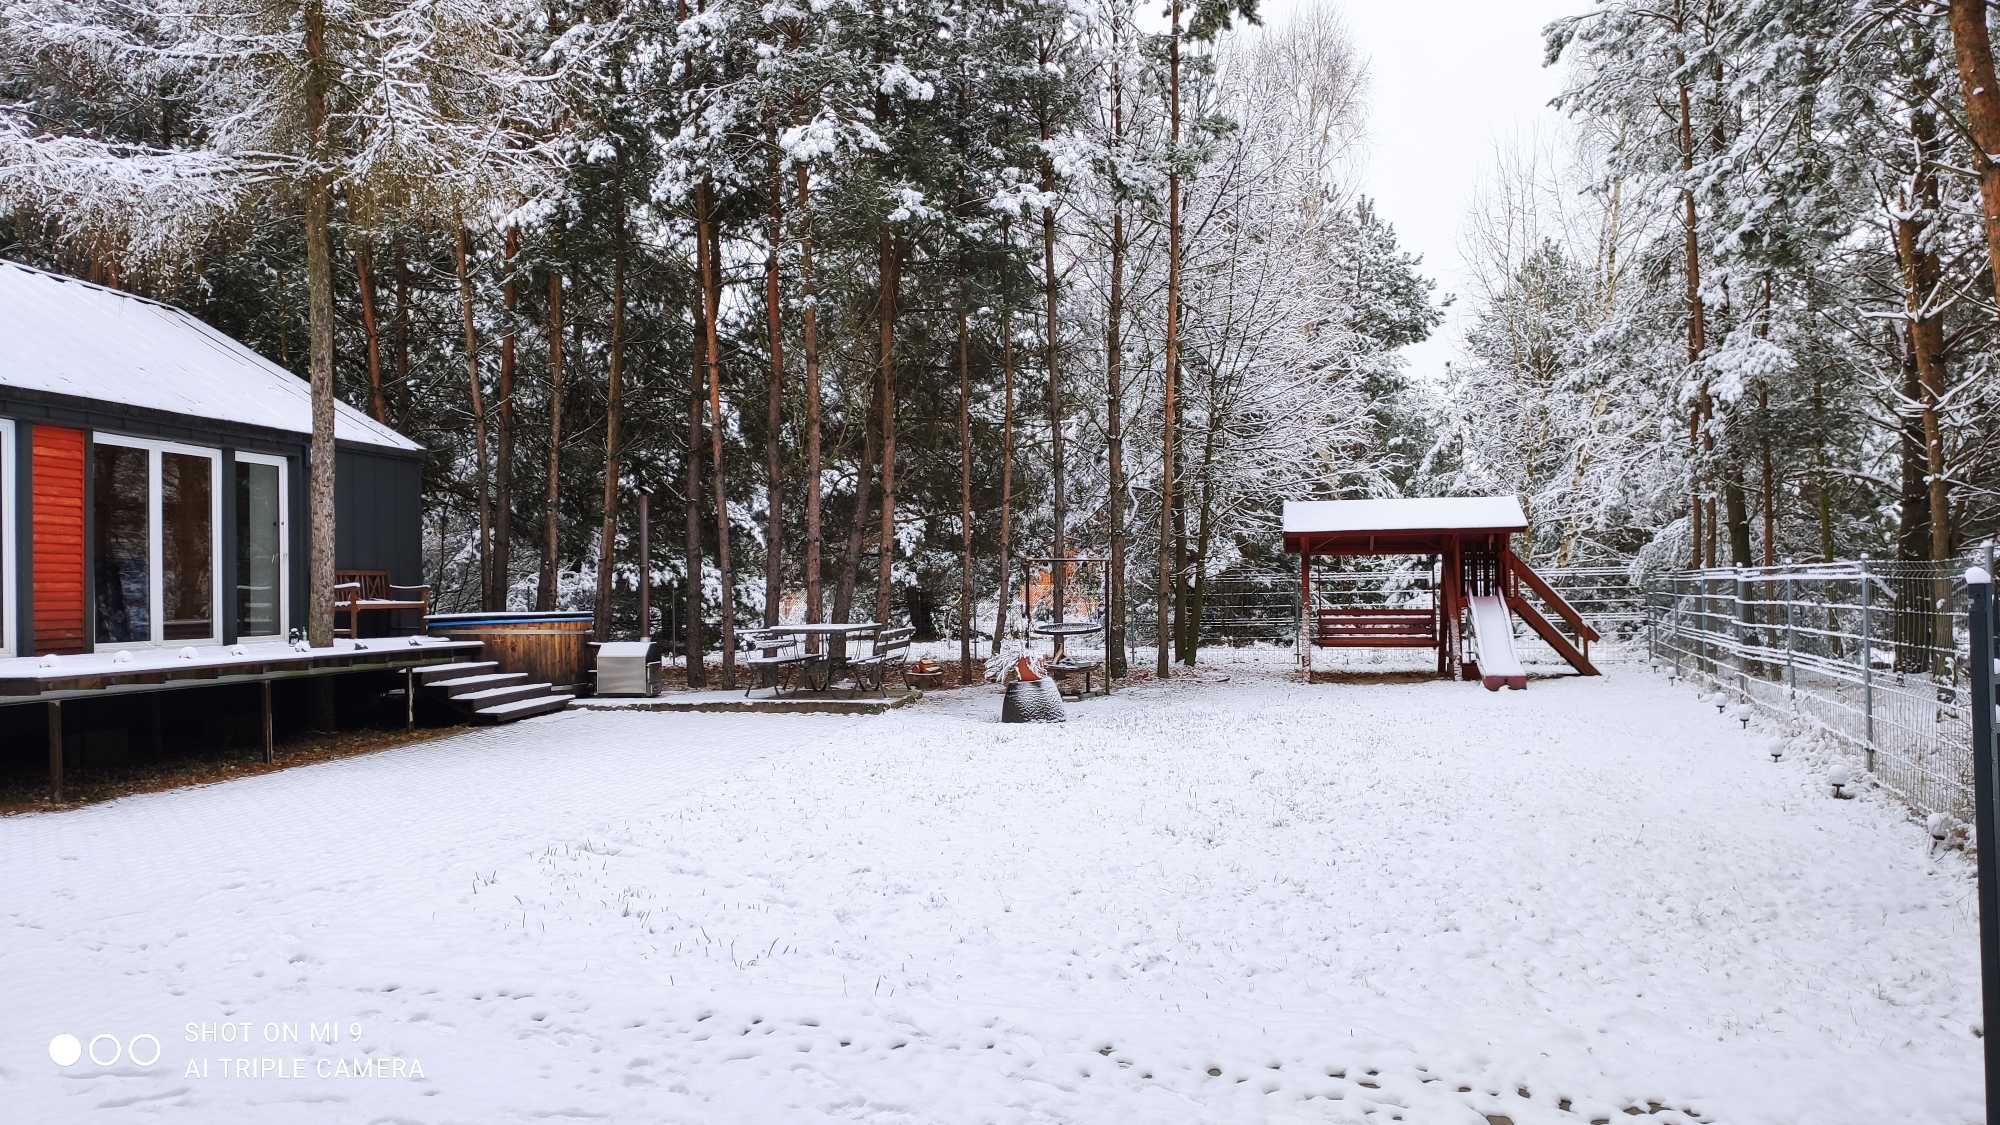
1052,362
463,256
364,270
402,353
1169,579
1697,325
711,287
1114,391
885,313
1912,632
809,327
1768,471
1006,474
1737,511
1922,274
545,592
503,418
607,554
774,407
319,314
964,488
857,528
1973,47
695,644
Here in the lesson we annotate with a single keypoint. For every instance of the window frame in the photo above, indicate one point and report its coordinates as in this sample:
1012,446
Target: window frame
156,541
284,544
10,539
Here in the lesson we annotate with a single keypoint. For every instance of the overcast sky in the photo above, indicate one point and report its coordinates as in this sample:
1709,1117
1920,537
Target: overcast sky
1449,79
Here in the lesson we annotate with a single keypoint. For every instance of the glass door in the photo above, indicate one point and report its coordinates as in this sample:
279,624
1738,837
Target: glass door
155,515
262,541
8,538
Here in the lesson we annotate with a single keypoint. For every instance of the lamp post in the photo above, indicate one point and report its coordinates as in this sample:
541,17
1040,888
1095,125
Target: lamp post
1979,592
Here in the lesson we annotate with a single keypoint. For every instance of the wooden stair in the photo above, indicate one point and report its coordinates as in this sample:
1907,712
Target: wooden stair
1576,652
481,692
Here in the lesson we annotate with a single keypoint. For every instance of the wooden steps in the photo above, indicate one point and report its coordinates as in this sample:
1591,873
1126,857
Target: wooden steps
482,693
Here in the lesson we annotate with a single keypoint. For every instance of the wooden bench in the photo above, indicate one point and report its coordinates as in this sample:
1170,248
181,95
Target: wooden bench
356,592
774,652
890,651
1375,627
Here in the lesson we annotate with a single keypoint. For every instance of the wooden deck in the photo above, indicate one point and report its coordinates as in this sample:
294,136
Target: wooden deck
34,679
53,681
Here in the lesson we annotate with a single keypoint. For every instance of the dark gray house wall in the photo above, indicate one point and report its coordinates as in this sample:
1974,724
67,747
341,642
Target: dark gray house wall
378,495
378,513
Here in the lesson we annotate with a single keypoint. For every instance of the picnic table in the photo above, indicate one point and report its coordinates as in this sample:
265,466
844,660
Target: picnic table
833,651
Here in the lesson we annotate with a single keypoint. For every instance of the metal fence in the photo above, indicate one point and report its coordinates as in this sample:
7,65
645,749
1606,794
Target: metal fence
1875,654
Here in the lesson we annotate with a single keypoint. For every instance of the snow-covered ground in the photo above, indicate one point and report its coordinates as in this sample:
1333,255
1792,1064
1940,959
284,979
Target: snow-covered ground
1233,900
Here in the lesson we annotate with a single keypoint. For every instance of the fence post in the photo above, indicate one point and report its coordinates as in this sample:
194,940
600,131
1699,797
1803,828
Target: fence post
1791,606
1979,592
1674,607
1868,663
1742,634
1646,601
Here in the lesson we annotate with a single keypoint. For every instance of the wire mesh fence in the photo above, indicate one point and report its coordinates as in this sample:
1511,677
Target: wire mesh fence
1875,654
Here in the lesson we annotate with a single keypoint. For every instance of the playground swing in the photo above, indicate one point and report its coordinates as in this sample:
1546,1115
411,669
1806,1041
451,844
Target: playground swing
1056,622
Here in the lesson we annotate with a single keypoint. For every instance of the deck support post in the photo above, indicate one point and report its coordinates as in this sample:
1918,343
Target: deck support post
264,692
56,750
158,736
409,699
322,705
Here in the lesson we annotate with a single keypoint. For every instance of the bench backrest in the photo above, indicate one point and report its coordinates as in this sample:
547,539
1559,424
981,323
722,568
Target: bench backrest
360,585
773,642
890,642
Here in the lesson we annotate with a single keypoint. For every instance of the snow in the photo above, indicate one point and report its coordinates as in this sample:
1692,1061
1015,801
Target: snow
1432,513
63,336
1229,898
1977,576
131,660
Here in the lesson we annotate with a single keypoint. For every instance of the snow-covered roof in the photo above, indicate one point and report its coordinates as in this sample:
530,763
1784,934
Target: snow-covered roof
1431,513
63,336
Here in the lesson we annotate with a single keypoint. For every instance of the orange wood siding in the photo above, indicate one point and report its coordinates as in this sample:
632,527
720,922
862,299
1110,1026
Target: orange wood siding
58,526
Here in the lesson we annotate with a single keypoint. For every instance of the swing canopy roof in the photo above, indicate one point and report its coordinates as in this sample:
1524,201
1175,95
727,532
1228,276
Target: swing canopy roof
1420,525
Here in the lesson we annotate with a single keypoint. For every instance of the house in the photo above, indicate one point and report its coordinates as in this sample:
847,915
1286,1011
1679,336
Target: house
153,478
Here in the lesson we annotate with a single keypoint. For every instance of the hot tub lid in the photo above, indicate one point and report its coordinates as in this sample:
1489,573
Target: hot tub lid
524,617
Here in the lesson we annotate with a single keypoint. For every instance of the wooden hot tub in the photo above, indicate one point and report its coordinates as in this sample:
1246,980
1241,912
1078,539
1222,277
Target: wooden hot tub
545,646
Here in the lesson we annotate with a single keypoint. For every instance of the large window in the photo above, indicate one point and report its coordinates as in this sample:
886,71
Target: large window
156,518
262,577
8,539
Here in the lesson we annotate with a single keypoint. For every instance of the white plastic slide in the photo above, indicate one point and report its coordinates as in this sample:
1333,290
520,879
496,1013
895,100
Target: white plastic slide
1493,643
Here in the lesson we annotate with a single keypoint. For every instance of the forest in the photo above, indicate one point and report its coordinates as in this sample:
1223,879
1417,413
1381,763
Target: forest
873,299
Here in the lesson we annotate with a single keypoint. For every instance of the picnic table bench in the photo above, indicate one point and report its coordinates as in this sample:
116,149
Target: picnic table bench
776,651
890,651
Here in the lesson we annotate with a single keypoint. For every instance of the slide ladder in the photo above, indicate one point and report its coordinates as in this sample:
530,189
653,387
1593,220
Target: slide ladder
1576,652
